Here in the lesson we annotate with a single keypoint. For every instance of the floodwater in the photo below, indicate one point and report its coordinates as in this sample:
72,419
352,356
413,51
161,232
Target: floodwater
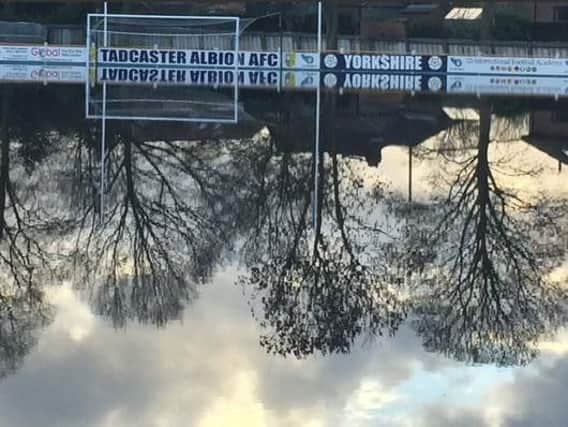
421,282
274,254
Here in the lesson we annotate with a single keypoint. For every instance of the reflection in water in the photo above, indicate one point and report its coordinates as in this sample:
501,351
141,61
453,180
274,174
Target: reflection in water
469,264
486,255
163,229
22,255
319,288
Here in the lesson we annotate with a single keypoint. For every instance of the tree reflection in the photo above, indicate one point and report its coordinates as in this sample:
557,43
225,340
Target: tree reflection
23,258
319,289
23,312
485,295
162,231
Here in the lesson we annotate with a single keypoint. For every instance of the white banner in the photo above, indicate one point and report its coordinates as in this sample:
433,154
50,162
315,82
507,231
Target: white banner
508,85
43,54
203,58
40,73
208,77
508,66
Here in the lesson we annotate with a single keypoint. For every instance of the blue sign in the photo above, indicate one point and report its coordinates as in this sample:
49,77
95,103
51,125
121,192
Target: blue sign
376,63
384,82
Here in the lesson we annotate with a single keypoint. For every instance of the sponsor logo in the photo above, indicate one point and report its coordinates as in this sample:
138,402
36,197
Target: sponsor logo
435,63
456,85
457,62
308,81
330,60
330,80
435,84
46,52
308,59
290,60
43,74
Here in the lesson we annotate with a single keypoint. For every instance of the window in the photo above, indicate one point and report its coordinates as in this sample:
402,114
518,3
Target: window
561,14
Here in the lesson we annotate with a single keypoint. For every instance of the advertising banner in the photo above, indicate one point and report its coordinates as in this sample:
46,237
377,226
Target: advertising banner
402,82
383,63
40,73
43,54
208,77
203,58
505,65
508,85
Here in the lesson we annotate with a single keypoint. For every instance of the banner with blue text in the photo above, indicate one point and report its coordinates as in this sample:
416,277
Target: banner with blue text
206,58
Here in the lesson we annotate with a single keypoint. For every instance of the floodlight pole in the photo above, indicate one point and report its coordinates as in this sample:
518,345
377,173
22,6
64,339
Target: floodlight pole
317,136
103,139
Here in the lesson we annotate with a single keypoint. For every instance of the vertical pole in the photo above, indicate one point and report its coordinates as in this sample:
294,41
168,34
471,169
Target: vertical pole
103,138
320,26
410,153
237,61
88,46
409,221
317,135
105,26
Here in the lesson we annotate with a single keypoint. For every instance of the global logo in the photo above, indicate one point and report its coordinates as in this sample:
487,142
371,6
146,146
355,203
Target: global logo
330,80
456,62
435,84
45,52
435,63
330,60
45,74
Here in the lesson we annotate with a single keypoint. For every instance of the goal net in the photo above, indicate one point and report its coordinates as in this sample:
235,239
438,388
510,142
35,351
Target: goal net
160,34
163,32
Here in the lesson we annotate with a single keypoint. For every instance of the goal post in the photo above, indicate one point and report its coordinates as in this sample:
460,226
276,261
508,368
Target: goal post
163,33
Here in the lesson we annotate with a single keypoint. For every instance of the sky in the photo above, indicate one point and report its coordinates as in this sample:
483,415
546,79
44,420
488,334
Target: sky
209,371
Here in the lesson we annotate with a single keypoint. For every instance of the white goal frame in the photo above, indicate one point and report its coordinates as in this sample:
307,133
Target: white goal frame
92,66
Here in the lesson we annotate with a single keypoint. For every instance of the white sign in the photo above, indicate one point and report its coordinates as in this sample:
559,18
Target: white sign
508,85
40,73
206,58
208,77
43,54
508,66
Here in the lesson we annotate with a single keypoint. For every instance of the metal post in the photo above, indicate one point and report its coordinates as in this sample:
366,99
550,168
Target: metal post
317,135
410,174
88,45
320,25
237,60
105,26
103,138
